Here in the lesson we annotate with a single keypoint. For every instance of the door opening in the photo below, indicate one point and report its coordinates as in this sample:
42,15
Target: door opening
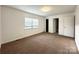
56,25
47,24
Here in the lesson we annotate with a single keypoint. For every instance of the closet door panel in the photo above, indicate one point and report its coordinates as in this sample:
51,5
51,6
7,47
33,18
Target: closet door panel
69,26
61,26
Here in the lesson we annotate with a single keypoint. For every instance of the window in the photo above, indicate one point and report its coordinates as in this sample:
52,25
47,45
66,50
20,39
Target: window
31,23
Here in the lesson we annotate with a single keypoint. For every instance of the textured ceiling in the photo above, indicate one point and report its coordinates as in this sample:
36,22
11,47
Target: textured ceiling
55,9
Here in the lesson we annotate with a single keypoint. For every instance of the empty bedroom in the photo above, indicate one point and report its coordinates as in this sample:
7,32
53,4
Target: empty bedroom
39,29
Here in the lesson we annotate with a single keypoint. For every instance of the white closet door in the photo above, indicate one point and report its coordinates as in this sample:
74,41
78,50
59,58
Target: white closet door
69,26
61,26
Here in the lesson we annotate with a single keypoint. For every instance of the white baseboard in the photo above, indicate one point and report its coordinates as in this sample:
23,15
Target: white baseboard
19,38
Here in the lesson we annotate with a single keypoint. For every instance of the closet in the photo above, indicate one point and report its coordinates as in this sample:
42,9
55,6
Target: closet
66,26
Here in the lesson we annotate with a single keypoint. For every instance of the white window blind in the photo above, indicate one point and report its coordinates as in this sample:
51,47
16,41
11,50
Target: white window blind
31,23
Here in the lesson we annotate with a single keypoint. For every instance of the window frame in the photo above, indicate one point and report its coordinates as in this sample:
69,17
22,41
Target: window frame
32,26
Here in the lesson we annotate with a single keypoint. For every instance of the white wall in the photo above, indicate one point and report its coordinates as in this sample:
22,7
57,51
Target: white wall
61,22
77,26
50,25
13,24
54,25
0,26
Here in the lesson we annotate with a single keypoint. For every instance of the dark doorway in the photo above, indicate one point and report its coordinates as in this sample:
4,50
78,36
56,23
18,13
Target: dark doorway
56,20
47,24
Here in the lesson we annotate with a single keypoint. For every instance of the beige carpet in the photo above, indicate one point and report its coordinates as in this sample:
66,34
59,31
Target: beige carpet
43,43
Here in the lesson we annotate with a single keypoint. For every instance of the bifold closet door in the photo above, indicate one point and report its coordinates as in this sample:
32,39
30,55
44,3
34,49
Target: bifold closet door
69,26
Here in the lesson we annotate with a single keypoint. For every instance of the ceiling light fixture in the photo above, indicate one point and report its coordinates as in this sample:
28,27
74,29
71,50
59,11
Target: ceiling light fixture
46,9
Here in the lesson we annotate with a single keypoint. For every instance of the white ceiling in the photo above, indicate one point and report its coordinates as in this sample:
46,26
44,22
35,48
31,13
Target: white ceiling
55,9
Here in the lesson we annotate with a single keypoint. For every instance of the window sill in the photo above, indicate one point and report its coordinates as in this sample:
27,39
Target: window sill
30,28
